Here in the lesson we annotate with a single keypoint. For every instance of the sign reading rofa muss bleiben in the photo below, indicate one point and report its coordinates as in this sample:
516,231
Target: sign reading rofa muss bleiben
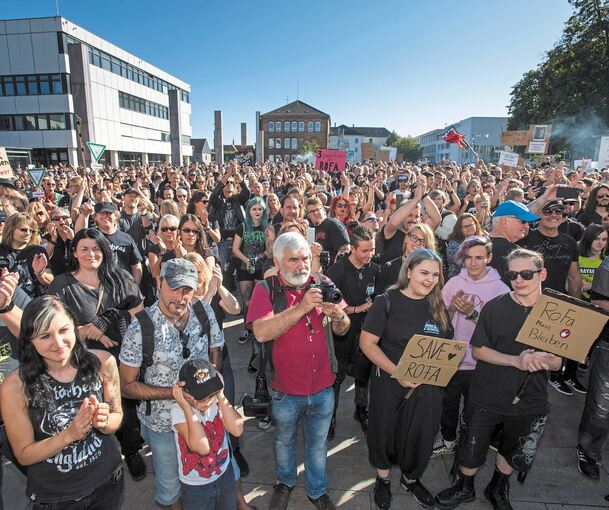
430,360
562,327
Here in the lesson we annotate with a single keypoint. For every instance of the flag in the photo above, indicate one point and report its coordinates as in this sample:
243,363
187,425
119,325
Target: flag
451,135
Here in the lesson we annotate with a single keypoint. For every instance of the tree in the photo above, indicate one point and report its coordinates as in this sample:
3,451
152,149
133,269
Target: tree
409,148
309,147
393,139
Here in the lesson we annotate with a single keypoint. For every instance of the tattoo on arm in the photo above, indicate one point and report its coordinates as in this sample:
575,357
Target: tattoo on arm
112,384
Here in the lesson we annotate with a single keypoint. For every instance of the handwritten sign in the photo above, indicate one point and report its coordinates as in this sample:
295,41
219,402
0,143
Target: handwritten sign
330,160
508,158
430,360
6,171
537,148
562,327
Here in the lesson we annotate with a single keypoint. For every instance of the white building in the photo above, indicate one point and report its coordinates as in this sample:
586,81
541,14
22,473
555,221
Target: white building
351,139
56,77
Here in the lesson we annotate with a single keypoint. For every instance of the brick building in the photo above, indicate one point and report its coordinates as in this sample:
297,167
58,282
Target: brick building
285,129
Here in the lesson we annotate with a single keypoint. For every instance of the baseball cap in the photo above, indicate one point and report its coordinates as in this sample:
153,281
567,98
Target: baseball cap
8,183
105,207
180,273
131,190
201,378
554,204
513,208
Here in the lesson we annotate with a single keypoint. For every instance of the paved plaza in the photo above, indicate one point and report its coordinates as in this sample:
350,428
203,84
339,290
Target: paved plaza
554,483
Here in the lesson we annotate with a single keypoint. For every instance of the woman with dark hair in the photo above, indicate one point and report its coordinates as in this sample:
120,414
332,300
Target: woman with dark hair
103,299
404,417
191,234
467,225
199,206
592,249
597,206
58,409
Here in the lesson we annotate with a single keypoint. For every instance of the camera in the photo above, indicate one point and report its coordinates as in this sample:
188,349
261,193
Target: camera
329,292
324,259
258,406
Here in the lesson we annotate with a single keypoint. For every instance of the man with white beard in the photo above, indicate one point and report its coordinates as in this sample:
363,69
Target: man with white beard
289,309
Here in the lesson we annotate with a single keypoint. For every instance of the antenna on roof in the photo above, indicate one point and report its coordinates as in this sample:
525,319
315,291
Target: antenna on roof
297,91
57,7
287,99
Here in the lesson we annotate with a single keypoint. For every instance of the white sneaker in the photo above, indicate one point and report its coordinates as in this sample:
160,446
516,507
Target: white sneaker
443,447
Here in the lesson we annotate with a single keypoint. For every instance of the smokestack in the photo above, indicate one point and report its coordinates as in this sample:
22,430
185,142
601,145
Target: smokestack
243,133
218,146
259,139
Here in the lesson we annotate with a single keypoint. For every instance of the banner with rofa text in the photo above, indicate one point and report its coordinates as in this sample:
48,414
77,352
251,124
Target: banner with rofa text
330,160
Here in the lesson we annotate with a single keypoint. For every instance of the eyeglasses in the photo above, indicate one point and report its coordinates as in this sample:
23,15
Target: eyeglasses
191,231
27,230
416,239
341,205
40,213
527,274
59,218
203,201
602,196
169,229
230,182
181,196
184,341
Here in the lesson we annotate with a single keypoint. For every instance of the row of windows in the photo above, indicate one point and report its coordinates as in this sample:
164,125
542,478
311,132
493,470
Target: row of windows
115,65
288,143
137,104
294,126
278,158
35,122
33,85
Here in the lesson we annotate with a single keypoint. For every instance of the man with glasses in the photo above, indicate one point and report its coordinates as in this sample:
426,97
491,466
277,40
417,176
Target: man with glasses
178,337
59,241
51,198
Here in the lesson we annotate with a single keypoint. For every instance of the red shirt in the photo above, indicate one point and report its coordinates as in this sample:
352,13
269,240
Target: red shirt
300,356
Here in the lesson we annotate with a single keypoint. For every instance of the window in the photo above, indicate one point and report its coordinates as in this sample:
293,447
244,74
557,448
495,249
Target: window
301,126
357,140
45,86
271,158
318,127
9,87
20,85
165,137
278,143
6,123
32,86
278,126
271,127
185,140
310,127
30,123
57,121
271,143
43,122
137,104
286,126
294,144
294,126
19,125
286,143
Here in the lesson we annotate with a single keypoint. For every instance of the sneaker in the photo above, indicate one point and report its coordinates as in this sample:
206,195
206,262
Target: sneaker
244,467
443,447
136,466
245,334
576,385
421,495
264,423
323,502
382,494
280,497
587,466
559,384
584,367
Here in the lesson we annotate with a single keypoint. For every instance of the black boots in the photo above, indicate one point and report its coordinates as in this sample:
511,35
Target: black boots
462,492
498,491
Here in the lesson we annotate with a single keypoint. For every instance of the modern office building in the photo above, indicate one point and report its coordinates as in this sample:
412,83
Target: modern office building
482,133
285,129
58,81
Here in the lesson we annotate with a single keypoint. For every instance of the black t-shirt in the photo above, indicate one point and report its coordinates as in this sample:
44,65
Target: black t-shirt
572,228
357,285
392,248
132,224
493,386
389,274
20,262
501,249
125,249
58,263
252,243
407,317
588,217
332,235
558,254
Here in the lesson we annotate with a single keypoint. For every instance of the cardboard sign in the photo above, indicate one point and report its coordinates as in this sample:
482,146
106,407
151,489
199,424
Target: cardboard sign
515,138
562,327
537,148
367,151
430,360
330,160
603,152
508,159
6,171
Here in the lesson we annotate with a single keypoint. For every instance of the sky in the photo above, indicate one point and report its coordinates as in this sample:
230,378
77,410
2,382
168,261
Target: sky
407,65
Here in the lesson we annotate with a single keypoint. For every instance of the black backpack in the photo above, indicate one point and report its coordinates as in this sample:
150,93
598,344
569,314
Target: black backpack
147,329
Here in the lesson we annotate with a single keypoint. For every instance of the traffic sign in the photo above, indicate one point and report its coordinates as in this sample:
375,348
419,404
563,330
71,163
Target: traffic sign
37,174
96,149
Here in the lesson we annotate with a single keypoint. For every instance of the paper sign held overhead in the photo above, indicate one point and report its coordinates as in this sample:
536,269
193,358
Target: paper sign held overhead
430,360
97,166
96,149
37,174
6,171
562,325
330,160
537,148
508,159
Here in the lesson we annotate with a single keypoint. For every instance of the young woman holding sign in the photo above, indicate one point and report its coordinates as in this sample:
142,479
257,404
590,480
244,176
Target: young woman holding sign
404,417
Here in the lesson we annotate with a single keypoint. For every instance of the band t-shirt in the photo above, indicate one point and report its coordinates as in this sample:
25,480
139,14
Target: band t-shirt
501,249
252,244
332,235
125,249
497,328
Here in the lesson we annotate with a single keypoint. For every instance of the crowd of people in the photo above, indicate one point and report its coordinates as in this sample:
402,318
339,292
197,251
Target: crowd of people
114,286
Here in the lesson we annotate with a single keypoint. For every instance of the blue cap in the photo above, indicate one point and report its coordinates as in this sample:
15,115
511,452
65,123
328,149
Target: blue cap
180,273
512,208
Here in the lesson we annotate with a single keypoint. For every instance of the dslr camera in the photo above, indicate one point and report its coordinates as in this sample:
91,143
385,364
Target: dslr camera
258,406
329,292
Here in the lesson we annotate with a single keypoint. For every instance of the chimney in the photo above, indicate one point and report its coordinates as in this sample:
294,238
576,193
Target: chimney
259,139
243,133
218,147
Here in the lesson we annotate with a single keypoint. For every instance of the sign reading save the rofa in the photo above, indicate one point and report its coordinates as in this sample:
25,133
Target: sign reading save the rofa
562,327
6,171
330,160
430,360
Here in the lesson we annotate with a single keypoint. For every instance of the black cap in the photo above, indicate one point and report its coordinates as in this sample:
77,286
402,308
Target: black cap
105,207
553,204
8,183
201,378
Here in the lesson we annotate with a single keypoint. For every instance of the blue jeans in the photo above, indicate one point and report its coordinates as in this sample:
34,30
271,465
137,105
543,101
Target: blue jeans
315,411
218,495
167,488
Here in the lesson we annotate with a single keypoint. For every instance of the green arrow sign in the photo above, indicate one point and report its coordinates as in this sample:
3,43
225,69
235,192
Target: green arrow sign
37,174
96,149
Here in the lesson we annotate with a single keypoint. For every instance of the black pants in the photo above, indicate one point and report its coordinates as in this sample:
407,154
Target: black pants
457,387
129,434
361,387
594,424
229,388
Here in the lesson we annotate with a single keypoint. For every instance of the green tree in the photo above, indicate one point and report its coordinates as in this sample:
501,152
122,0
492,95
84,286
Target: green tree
309,147
409,148
393,139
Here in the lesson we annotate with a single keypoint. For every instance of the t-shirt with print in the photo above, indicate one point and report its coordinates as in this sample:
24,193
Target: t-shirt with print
332,235
196,469
8,343
125,249
252,244
167,358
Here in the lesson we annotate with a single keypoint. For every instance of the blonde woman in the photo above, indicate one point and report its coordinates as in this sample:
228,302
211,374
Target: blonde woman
164,241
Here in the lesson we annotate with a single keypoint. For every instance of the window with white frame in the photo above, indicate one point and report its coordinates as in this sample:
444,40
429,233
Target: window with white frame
294,144
310,127
271,143
278,143
286,143
301,126
278,126
286,126
294,126
271,126
318,127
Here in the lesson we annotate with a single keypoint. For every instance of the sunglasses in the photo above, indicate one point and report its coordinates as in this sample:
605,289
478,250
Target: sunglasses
184,341
191,231
527,274
40,213
341,205
169,229
204,201
181,196
555,212
59,218
375,220
26,230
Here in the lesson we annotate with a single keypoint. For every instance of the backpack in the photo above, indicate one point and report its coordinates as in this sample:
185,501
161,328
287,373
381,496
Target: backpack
280,303
147,329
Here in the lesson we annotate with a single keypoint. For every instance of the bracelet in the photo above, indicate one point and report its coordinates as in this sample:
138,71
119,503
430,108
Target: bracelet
54,243
7,308
41,272
473,316
339,318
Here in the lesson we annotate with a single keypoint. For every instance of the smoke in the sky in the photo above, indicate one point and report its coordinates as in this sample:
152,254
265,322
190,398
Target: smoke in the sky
580,133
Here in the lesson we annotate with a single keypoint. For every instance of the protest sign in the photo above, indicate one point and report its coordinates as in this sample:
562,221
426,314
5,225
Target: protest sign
515,138
537,148
6,172
430,360
603,152
508,159
562,325
330,160
367,151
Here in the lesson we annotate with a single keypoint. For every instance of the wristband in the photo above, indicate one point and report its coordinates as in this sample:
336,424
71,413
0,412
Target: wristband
339,318
7,308
473,316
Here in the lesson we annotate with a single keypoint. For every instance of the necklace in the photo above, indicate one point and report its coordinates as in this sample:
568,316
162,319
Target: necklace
526,307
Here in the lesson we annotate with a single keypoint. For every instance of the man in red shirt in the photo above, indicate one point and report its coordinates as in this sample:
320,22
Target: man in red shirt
302,384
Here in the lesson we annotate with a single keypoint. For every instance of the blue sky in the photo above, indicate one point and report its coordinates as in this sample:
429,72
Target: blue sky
407,65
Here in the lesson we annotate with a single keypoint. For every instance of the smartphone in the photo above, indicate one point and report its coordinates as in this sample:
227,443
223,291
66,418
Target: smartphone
310,235
568,192
399,199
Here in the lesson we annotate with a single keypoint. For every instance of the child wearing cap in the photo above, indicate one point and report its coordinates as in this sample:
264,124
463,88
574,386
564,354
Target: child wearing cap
206,473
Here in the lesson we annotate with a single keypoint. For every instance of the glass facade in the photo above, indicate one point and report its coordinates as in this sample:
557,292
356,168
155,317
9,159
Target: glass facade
137,104
34,85
36,122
